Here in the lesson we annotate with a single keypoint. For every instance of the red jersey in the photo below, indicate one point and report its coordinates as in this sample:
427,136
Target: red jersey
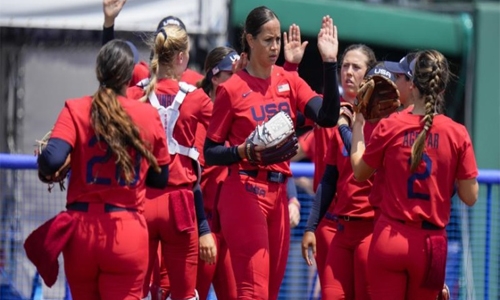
93,170
423,195
141,71
210,175
191,77
351,198
377,193
307,144
322,138
196,109
244,101
314,143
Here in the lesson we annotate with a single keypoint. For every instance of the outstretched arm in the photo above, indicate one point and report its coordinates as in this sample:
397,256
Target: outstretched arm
111,9
325,112
362,171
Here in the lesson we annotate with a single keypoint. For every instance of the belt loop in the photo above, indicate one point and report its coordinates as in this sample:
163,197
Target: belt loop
346,218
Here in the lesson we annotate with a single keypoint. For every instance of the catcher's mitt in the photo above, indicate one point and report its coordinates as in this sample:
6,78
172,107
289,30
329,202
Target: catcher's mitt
377,96
272,142
60,175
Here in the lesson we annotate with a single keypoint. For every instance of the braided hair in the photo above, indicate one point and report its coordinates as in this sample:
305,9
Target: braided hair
430,77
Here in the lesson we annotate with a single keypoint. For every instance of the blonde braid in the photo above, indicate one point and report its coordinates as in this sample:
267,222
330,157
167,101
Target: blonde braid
153,79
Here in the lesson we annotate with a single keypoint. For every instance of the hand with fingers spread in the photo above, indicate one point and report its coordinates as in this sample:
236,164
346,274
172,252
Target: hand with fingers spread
293,47
308,242
111,9
328,43
208,248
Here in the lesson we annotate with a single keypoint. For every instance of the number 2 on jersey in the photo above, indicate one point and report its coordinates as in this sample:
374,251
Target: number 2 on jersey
419,176
95,161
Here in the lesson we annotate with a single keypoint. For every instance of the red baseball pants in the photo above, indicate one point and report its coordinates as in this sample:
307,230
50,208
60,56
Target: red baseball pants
255,224
178,235
107,256
346,262
324,234
397,261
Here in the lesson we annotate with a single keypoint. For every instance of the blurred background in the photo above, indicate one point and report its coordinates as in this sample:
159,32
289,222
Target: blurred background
47,55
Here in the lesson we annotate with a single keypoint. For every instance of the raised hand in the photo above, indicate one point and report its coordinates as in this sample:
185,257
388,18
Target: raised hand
328,43
111,9
293,48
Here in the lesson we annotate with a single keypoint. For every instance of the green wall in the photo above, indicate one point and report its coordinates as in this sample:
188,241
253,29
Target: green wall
486,137
364,22
486,108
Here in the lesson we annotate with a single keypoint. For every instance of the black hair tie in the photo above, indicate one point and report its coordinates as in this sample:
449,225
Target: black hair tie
162,31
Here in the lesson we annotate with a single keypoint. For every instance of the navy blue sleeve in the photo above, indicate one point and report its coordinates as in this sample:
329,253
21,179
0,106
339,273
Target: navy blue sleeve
203,227
301,120
157,180
219,154
346,136
324,196
325,111
53,156
108,34
291,188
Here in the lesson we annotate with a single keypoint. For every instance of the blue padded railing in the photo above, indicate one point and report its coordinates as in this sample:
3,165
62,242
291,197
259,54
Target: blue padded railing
487,179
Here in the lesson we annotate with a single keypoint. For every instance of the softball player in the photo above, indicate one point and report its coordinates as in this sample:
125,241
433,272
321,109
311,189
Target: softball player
405,86
117,146
253,202
407,256
111,9
404,77
357,59
345,274
220,64
171,215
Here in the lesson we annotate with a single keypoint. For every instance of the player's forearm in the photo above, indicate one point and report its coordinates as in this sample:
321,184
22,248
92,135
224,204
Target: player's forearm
201,218
108,33
53,156
357,150
346,136
324,196
219,154
291,188
325,112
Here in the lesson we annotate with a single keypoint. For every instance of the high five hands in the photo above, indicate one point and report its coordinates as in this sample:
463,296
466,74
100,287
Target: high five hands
111,9
328,43
293,48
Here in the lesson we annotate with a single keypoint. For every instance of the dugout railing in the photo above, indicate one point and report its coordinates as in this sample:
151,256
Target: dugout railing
473,265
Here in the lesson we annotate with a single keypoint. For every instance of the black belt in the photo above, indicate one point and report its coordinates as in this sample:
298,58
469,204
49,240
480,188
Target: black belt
424,225
84,207
333,217
270,176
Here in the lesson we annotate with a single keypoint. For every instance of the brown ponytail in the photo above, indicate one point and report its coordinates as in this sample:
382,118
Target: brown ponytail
108,118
